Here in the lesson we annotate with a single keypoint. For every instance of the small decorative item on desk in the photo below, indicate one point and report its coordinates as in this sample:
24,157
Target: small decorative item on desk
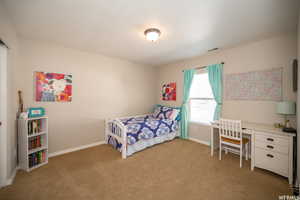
288,128
287,108
278,125
36,112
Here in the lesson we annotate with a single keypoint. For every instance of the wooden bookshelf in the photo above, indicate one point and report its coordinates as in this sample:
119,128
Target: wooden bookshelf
33,142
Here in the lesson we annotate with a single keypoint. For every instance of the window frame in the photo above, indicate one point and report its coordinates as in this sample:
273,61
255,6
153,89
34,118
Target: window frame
202,71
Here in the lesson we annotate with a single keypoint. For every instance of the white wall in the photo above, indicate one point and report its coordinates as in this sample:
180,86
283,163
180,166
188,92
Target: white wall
102,87
8,35
273,52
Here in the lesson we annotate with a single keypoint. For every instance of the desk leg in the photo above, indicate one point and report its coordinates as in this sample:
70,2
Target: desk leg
212,141
291,162
252,151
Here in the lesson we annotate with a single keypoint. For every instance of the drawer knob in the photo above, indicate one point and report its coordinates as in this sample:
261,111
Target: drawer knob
270,139
270,156
270,147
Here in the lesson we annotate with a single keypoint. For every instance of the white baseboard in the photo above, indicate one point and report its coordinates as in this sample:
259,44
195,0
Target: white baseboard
12,177
200,141
75,149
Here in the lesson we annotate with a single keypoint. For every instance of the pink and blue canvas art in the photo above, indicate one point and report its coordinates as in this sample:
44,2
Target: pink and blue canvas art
53,87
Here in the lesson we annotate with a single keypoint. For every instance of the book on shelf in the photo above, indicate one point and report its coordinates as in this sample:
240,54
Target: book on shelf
35,142
34,126
36,158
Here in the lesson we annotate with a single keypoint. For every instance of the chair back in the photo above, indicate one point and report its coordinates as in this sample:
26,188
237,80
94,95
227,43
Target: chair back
231,129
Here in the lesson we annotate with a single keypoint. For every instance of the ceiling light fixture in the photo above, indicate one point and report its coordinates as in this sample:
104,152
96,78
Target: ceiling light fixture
152,34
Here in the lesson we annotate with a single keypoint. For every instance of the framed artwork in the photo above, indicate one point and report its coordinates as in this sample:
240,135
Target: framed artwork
257,85
53,87
169,92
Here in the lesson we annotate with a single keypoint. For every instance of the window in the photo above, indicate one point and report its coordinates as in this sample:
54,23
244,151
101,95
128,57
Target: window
202,102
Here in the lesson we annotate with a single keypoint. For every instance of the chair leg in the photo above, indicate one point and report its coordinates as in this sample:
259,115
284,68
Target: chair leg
220,151
226,151
241,156
247,150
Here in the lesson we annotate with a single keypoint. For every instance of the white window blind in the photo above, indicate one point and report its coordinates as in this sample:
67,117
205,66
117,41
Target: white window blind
202,102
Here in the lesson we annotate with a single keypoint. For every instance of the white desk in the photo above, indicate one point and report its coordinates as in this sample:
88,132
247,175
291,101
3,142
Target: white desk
271,148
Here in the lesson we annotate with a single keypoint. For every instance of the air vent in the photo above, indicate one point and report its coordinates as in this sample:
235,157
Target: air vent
214,49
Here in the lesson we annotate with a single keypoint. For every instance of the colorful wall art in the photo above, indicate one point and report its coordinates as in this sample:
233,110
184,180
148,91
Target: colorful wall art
169,92
53,87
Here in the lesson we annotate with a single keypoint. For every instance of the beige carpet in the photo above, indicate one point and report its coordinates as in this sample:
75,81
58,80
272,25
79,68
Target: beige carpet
174,170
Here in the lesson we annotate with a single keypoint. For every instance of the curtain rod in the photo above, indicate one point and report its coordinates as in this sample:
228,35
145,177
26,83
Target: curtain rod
1,42
205,66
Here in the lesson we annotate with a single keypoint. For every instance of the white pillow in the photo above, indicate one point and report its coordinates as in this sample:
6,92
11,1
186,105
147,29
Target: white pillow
174,114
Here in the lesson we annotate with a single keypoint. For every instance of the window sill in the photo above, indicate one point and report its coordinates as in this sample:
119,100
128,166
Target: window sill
201,123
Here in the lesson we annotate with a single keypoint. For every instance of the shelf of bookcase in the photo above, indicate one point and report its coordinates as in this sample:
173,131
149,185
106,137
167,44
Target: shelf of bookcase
24,141
37,166
37,149
35,118
37,134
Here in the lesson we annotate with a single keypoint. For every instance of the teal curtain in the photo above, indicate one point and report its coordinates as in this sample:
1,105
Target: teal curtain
187,83
215,75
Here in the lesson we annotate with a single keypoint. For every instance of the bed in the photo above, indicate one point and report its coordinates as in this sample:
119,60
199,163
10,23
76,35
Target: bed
135,133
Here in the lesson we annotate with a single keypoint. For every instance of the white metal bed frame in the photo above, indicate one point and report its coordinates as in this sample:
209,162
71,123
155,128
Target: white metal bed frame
120,133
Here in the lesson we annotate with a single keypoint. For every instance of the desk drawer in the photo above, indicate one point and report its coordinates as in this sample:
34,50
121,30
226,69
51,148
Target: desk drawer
272,147
271,139
272,161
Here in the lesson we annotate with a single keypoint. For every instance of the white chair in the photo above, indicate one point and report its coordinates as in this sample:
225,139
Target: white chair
230,133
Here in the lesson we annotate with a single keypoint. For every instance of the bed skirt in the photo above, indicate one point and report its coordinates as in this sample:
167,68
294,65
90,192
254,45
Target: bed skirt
141,144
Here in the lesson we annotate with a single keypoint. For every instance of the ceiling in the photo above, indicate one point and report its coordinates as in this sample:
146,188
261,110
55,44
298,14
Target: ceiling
115,27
